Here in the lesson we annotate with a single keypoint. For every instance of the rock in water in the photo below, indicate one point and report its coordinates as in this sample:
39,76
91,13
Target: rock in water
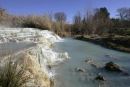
125,74
110,66
79,70
100,77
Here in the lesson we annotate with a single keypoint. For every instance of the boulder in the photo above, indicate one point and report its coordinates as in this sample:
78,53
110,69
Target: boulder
110,66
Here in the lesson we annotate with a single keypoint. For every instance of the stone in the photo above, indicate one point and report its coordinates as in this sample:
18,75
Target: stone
80,70
100,77
89,60
49,66
125,73
110,66
94,65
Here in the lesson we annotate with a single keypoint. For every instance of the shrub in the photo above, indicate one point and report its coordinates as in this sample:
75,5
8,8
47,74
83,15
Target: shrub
41,22
13,75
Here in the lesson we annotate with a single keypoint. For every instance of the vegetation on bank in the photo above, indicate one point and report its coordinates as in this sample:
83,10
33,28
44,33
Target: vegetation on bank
96,22
120,43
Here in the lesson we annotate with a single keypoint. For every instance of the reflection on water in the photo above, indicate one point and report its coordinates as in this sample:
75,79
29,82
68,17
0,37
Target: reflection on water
12,47
79,51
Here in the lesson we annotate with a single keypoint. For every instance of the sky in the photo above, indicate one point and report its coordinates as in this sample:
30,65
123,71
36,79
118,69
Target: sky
70,7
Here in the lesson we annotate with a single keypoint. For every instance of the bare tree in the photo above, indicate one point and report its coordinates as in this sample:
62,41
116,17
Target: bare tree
77,22
2,11
60,18
124,13
77,18
88,23
101,19
2,14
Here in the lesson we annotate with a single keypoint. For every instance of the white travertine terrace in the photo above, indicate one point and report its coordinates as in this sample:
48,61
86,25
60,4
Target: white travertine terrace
38,57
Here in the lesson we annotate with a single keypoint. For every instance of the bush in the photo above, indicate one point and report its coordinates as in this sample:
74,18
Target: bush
13,76
41,22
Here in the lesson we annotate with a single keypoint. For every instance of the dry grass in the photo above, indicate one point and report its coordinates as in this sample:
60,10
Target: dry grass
13,75
24,72
40,22
40,76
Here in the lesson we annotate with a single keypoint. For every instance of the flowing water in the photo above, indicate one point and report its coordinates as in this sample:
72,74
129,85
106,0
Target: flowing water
79,51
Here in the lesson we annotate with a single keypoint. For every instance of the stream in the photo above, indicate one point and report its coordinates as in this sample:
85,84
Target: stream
79,51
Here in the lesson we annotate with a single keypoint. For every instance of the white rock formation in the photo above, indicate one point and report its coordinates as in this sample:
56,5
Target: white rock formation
37,57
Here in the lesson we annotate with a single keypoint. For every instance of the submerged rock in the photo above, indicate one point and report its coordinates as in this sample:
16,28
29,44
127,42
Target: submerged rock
79,70
100,77
94,65
110,66
108,56
88,60
125,73
91,62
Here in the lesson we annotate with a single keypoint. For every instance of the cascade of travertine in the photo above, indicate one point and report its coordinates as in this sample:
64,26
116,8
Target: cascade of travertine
37,57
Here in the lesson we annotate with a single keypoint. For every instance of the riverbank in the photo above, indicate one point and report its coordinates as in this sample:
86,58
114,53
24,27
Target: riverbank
120,43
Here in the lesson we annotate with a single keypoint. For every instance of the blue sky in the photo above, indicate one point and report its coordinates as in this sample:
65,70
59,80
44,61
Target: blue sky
70,7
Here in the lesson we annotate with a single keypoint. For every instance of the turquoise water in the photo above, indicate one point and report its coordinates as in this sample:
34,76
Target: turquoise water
79,51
